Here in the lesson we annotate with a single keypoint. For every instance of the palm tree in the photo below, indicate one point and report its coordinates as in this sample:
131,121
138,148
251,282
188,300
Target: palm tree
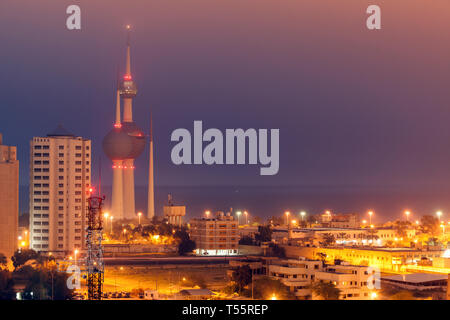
326,290
342,236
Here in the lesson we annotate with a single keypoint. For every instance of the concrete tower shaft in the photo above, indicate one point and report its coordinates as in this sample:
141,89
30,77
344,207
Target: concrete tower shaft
151,187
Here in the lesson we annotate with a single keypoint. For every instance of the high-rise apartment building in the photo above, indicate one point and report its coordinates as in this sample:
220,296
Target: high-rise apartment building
9,199
60,179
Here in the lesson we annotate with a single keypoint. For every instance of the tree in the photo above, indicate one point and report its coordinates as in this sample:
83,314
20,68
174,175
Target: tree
242,276
20,257
278,251
430,225
265,288
47,283
325,290
264,234
3,261
342,236
328,239
246,240
401,228
322,256
186,246
276,221
6,285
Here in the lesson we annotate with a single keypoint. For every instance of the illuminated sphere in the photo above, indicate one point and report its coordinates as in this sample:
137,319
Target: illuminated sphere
126,142
137,139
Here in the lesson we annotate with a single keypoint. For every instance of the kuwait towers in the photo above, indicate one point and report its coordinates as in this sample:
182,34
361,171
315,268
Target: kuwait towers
123,144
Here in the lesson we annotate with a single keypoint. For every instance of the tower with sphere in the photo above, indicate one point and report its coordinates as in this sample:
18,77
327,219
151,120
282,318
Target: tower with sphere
123,144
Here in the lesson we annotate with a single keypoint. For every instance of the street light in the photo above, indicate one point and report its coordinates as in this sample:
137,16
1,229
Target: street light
75,254
370,216
207,213
407,213
239,217
106,215
439,214
139,217
287,213
274,297
303,214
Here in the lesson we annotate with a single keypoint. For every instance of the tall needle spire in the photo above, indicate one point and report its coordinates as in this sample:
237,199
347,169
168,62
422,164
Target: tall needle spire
128,62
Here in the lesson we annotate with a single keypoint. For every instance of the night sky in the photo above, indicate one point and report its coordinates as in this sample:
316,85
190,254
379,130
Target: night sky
354,107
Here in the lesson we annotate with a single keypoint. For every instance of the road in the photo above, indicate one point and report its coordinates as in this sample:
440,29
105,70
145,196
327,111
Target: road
140,260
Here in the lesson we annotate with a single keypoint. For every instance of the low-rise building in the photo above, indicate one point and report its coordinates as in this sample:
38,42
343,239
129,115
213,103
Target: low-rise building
215,236
354,282
417,281
386,259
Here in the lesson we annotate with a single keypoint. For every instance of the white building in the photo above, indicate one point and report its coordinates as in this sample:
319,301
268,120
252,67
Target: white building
354,282
60,178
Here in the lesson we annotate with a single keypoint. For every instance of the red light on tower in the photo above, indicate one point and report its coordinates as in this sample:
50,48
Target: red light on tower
117,125
127,77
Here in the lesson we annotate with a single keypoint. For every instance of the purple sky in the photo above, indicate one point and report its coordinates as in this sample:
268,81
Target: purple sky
354,107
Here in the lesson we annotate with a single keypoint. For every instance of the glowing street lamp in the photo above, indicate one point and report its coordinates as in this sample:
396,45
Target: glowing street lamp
303,214
106,215
111,223
407,213
139,217
287,213
373,295
75,254
370,216
207,213
239,217
439,214
274,297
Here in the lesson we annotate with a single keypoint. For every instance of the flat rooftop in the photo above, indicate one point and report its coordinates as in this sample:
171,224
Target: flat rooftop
416,277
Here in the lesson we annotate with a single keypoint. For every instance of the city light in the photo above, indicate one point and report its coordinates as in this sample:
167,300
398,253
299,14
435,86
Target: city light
373,295
303,214
287,213
207,213
139,217
238,213
407,213
273,297
370,216
439,214
111,223
246,217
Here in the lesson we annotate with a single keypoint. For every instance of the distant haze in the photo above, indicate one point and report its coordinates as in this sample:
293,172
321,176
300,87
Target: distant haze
361,108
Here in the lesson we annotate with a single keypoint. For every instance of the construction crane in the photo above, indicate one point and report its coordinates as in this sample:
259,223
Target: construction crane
94,258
